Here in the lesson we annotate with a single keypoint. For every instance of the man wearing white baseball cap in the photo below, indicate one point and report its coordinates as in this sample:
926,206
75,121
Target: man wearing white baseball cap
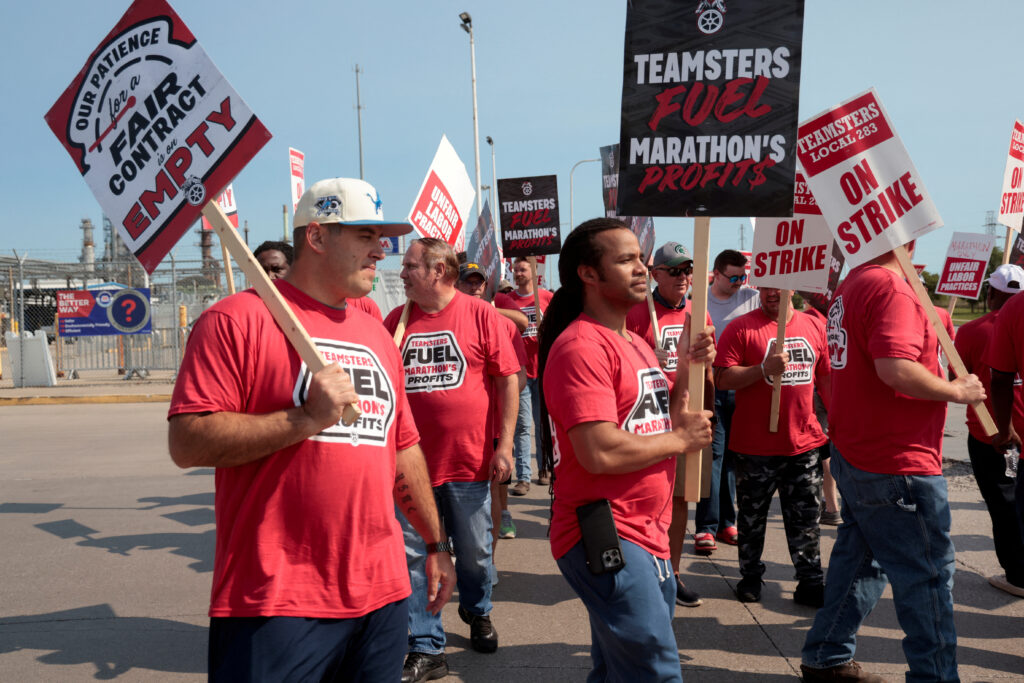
974,341
310,579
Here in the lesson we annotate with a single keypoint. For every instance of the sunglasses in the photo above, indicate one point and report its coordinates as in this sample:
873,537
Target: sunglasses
678,270
737,278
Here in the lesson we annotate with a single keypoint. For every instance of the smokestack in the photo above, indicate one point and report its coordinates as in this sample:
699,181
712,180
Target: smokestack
88,258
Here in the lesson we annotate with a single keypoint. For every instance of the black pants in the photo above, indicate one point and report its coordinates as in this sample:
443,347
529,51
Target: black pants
998,491
797,478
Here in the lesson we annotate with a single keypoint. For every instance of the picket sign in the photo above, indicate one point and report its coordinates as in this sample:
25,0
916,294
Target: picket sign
695,464
944,341
654,316
952,305
402,322
536,288
780,343
228,275
278,307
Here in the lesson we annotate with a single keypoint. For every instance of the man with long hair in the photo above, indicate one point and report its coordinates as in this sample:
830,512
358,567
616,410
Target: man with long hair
616,433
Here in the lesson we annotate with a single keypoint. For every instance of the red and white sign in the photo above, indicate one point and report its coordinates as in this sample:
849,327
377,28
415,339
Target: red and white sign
793,253
1011,205
297,167
443,203
227,202
154,128
966,262
868,189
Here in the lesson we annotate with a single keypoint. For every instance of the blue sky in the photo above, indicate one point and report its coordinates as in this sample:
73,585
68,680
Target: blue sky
549,82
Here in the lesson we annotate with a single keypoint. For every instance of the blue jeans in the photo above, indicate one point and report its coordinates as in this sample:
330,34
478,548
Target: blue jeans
529,415
631,636
718,510
366,648
895,529
465,509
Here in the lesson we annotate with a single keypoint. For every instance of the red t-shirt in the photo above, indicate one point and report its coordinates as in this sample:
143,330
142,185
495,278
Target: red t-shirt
517,302
448,356
517,344
745,342
308,531
366,305
875,314
594,375
972,344
671,323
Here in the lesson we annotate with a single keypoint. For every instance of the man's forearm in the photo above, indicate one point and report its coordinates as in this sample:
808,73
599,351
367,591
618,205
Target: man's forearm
508,393
737,376
913,379
414,495
230,439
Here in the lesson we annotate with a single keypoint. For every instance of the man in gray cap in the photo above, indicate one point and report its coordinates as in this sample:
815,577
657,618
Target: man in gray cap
672,270
972,343
309,577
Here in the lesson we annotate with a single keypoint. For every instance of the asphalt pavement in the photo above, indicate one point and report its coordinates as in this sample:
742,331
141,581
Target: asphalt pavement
109,553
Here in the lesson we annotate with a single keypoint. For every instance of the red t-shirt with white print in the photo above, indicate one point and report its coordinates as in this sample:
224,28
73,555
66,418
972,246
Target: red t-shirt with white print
746,342
972,343
517,302
671,324
594,375
448,357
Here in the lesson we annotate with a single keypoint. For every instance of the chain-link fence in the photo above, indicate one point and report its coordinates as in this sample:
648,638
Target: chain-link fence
179,292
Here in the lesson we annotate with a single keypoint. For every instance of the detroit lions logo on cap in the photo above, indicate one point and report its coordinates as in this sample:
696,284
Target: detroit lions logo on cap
327,205
376,202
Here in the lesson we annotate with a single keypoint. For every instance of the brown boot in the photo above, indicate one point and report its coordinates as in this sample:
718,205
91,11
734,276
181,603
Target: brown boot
521,488
544,478
848,672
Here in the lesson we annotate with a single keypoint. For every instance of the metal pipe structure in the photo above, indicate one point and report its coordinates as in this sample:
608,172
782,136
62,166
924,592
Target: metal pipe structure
467,26
494,183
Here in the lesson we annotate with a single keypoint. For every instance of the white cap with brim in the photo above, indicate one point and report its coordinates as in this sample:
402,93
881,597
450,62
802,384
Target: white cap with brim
347,201
1007,278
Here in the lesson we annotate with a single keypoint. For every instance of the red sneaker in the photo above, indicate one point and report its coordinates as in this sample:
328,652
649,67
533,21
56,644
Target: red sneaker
704,543
729,535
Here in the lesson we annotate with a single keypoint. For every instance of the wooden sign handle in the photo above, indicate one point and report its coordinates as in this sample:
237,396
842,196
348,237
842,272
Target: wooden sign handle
944,341
402,322
536,288
654,316
1008,245
279,308
228,275
691,467
780,345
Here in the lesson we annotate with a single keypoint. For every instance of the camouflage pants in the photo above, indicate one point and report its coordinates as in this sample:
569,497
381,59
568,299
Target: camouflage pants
798,481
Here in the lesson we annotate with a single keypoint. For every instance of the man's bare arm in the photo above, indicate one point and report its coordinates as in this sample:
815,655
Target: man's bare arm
516,316
913,379
228,439
507,390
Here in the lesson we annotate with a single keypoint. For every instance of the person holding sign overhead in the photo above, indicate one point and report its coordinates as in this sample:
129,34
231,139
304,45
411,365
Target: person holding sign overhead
886,420
617,430
788,460
672,270
309,572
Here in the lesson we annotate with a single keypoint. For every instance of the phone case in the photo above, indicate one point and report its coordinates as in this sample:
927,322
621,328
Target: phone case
600,538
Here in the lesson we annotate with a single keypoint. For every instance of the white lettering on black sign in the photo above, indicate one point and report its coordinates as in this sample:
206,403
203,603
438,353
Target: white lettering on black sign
372,384
649,414
433,362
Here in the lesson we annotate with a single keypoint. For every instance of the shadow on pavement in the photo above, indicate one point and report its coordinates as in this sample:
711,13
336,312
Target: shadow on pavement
114,645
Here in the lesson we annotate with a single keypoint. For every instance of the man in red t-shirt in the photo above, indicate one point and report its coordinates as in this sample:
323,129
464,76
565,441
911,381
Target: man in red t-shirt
453,349
309,571
1005,357
522,299
886,419
472,282
787,460
616,433
672,270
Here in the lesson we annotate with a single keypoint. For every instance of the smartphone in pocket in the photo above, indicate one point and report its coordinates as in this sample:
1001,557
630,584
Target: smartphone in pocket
600,537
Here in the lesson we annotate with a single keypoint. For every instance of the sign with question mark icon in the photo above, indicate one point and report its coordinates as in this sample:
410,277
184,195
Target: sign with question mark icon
104,311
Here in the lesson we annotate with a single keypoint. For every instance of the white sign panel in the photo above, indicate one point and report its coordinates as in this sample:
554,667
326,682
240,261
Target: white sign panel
1011,204
444,201
297,169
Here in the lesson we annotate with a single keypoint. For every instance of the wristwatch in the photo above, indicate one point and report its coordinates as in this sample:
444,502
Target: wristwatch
440,547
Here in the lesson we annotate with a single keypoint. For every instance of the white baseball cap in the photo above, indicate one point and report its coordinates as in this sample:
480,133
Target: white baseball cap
1007,278
348,201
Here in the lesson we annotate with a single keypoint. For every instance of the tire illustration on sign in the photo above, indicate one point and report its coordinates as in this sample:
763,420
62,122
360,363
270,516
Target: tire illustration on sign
709,21
194,191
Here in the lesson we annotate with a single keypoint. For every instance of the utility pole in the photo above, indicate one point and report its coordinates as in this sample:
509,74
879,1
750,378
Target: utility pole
359,122
742,237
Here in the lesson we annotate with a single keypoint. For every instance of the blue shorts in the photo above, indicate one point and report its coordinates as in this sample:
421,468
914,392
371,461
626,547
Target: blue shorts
367,648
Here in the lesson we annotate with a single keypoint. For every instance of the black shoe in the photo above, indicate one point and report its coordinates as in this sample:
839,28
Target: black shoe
809,594
749,589
685,596
419,666
482,635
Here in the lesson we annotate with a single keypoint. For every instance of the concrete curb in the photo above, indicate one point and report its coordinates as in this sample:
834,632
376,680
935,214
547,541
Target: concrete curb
69,400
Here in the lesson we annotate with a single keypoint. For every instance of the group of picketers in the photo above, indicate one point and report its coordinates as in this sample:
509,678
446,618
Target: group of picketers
336,533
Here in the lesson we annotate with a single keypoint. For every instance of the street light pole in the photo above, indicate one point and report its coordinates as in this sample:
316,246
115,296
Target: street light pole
467,26
494,183
584,161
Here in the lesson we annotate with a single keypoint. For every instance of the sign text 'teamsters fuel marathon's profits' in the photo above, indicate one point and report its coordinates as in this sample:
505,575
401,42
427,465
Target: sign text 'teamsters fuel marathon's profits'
526,213
154,128
709,117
